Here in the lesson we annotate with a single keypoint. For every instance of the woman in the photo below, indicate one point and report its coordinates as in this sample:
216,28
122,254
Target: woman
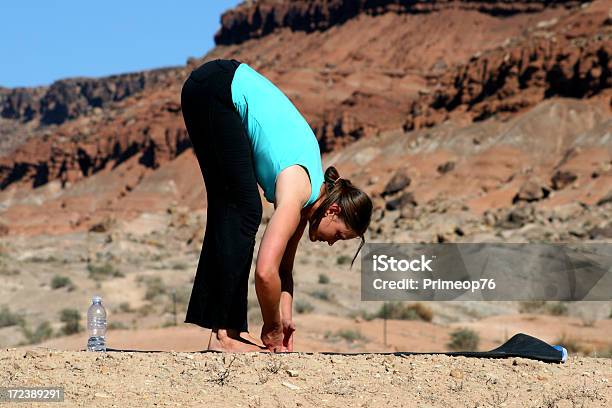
245,132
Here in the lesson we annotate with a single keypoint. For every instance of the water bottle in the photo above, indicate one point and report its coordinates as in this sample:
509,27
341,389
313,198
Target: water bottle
96,325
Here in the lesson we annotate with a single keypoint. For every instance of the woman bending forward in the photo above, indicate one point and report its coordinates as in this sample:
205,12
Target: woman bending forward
246,132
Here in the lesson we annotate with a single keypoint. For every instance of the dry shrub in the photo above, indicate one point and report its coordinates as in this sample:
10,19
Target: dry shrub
464,340
399,311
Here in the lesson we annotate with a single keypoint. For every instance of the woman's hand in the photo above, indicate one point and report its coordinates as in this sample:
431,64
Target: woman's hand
272,337
288,330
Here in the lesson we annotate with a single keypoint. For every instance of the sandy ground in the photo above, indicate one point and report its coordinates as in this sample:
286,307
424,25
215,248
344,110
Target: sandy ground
177,376
302,380
402,335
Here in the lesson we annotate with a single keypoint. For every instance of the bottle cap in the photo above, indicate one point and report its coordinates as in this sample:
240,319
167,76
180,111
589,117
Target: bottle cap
96,299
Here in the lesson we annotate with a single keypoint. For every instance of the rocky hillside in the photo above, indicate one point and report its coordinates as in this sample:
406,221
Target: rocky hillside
89,149
255,19
67,99
466,121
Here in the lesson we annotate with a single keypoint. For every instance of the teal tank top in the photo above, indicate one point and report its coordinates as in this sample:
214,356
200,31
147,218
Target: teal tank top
280,136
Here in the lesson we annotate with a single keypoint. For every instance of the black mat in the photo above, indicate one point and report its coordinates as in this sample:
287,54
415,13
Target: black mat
520,345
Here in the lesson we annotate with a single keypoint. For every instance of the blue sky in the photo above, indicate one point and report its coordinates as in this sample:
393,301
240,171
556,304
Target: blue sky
45,40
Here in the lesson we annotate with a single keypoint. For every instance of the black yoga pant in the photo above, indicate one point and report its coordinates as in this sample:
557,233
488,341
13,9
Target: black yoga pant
219,294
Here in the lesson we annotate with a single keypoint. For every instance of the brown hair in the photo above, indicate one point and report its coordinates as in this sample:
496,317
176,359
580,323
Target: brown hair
356,205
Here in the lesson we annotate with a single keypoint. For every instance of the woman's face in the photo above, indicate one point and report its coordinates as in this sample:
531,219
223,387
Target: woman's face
331,228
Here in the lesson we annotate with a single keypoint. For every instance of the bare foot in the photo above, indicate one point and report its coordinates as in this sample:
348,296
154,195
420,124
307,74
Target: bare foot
247,336
230,341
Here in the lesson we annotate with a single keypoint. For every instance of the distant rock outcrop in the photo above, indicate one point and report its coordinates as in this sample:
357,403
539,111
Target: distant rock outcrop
509,80
461,119
69,98
255,19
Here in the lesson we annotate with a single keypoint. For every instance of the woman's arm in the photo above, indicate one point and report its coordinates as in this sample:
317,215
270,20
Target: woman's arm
291,195
286,270
267,270
286,275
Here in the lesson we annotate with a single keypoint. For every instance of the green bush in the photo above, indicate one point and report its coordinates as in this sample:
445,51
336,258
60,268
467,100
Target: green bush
464,340
531,306
363,314
125,307
104,271
144,310
5,271
541,306
72,321
43,332
349,335
399,311
8,318
343,259
180,266
302,307
557,309
183,295
40,259
61,282
321,295
117,326
155,287
323,279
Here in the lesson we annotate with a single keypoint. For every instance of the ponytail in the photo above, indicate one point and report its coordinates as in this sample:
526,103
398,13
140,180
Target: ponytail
356,205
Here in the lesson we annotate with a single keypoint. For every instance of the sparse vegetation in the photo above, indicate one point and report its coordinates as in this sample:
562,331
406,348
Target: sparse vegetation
125,307
323,279
180,266
43,332
321,295
104,271
252,303
182,299
587,320
343,259
531,306
541,306
155,287
606,353
72,321
400,311
144,310
8,318
59,281
363,314
5,271
570,343
117,326
40,259
464,340
347,334
302,307
557,309
183,294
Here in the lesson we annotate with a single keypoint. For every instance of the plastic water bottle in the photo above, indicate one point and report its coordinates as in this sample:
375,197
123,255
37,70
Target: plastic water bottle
96,325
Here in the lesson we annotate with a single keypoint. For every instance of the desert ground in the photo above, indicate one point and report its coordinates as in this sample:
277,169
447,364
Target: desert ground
465,121
307,380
